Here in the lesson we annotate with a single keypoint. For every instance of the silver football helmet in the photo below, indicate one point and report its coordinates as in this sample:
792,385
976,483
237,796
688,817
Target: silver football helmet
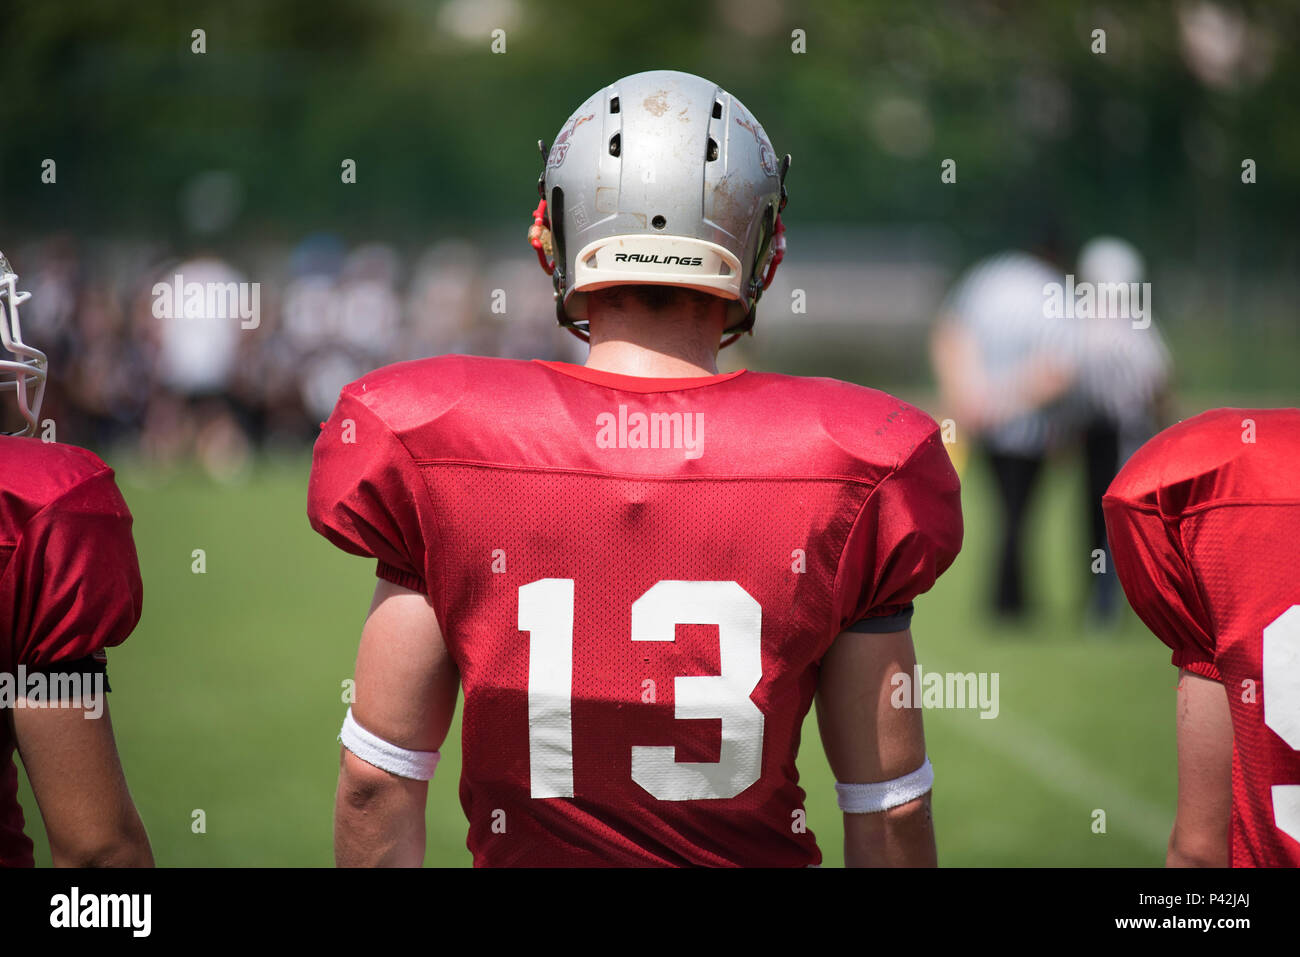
25,372
663,178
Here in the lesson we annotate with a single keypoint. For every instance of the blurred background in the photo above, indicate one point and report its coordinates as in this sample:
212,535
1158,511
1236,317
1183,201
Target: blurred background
128,156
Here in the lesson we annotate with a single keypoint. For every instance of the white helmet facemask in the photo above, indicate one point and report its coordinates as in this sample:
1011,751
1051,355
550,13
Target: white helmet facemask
22,368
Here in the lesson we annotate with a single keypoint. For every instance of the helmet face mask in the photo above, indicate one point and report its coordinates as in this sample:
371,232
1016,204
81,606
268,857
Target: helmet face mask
22,368
662,178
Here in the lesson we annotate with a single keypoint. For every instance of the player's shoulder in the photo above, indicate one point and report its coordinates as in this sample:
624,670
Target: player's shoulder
870,425
407,395
1223,455
37,476
42,471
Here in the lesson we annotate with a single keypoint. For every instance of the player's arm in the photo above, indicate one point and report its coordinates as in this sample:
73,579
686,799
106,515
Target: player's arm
78,591
406,686
1146,544
869,742
1200,833
72,763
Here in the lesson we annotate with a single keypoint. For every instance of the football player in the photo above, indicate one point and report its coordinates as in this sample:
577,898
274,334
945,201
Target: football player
69,589
641,572
1204,525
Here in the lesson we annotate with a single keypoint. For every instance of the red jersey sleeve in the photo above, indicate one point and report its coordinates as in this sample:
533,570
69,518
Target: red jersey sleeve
76,575
1157,580
907,534
366,494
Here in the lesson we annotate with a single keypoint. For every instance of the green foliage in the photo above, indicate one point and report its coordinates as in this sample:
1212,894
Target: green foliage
444,131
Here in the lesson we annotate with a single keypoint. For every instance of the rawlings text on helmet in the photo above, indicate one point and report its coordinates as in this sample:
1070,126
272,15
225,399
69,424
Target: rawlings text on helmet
665,260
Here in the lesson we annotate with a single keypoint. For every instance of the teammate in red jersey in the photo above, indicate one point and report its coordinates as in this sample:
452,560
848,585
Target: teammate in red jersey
69,588
1204,525
640,571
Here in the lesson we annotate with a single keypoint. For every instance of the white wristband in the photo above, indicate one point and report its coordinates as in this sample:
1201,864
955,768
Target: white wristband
416,765
882,795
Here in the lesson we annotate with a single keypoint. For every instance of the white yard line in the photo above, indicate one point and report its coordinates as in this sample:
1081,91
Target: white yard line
1060,768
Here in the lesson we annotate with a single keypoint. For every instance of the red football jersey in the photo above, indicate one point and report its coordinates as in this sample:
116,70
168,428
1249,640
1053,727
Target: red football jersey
637,579
69,581
1204,526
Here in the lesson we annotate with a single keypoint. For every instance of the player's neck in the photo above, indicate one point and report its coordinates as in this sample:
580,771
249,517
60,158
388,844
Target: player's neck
629,358
664,347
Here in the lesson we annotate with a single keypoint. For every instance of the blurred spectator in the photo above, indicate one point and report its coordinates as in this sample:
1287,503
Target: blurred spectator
313,325
214,387
191,412
197,352
443,301
369,312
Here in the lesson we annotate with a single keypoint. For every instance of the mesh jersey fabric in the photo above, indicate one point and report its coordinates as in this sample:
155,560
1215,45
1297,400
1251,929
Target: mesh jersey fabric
1204,526
682,551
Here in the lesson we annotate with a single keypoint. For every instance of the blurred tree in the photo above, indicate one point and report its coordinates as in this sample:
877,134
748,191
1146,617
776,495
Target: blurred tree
1133,141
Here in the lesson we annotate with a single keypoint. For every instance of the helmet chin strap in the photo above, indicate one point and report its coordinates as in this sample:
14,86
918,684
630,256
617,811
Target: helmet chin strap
543,243
778,252
572,327
539,237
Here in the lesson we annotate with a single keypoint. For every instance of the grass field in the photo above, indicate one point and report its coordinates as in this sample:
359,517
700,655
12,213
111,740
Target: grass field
228,697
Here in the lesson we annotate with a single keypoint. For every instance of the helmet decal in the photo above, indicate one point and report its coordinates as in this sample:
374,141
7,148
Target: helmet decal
766,157
560,149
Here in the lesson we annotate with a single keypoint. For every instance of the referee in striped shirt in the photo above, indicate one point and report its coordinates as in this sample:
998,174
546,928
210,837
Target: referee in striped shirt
1119,396
1005,367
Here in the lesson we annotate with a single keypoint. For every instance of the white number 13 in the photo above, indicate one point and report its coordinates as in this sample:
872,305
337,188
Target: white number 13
546,613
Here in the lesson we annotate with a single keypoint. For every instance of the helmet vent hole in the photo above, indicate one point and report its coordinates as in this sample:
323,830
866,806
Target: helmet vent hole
613,104
658,222
713,150
717,109
616,144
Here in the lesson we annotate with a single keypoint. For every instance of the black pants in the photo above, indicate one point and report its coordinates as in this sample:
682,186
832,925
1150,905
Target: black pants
1101,462
1015,476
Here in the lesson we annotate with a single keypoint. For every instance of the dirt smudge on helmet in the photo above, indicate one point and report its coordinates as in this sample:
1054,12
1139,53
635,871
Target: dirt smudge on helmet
657,103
